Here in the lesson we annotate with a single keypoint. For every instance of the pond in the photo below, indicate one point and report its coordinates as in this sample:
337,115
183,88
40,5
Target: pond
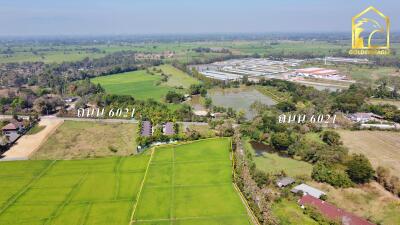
239,99
260,148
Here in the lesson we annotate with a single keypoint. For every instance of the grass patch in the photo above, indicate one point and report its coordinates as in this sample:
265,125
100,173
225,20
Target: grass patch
35,129
78,139
273,163
138,84
178,77
290,213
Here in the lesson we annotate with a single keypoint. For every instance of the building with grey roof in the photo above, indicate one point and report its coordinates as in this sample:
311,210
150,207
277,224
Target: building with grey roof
284,181
308,190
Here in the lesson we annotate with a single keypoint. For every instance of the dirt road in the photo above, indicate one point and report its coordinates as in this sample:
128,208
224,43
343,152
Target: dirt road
28,144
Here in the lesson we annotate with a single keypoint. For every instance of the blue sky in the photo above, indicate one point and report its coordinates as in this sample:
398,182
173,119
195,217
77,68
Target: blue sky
98,17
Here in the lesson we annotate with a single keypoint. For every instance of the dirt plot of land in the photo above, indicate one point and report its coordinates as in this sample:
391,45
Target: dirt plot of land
28,144
79,139
381,147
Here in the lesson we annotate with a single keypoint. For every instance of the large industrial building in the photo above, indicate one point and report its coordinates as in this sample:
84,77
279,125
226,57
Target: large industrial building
236,69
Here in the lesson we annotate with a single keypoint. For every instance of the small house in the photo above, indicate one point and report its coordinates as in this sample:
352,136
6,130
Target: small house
12,131
284,181
308,190
168,129
363,117
146,129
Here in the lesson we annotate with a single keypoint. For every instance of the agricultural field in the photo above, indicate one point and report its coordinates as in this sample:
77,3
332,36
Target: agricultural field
273,163
99,191
190,184
138,84
381,147
376,101
178,77
79,139
370,201
180,184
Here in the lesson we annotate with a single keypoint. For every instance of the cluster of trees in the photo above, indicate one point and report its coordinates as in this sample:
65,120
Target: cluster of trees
198,89
174,97
388,87
58,75
332,163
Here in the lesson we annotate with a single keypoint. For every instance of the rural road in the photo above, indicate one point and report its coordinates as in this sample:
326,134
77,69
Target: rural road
98,120
28,144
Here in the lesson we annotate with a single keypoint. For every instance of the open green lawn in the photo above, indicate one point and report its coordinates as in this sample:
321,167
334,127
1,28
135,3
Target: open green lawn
273,163
138,84
178,77
290,213
184,184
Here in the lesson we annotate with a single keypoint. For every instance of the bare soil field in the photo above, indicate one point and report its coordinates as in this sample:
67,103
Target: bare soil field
381,147
28,144
81,139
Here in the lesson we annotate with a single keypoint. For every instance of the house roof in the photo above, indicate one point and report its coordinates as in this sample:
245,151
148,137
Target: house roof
284,181
13,125
308,190
332,212
169,129
146,128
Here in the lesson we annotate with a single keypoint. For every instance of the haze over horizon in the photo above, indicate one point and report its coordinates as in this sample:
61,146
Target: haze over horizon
124,17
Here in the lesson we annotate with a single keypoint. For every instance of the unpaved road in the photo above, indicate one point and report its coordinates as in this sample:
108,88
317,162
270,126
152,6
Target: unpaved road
28,144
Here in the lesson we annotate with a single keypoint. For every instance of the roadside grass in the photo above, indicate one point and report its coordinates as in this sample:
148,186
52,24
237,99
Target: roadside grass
78,139
204,130
178,77
289,212
35,129
138,84
273,163
186,184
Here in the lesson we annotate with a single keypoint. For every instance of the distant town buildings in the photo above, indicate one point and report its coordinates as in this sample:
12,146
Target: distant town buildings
236,69
321,73
346,60
332,212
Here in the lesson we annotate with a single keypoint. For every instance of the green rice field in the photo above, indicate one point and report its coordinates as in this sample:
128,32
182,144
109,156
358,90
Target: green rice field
181,184
138,84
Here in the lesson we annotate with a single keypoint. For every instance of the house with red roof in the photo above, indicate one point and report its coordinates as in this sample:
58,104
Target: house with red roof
332,212
12,131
